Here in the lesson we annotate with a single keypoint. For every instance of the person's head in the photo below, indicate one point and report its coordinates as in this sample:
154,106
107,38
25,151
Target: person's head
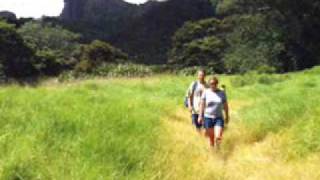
201,75
213,83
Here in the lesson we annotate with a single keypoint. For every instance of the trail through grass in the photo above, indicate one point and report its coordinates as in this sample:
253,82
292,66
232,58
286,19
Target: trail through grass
186,155
137,129
272,135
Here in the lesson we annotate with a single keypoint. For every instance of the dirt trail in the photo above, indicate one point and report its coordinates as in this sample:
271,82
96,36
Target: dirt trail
186,155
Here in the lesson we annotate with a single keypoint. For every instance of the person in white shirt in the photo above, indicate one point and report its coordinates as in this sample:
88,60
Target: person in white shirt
213,103
194,94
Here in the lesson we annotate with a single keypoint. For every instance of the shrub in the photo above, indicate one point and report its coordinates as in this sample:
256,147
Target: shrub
54,45
66,76
199,44
253,46
127,70
96,54
16,58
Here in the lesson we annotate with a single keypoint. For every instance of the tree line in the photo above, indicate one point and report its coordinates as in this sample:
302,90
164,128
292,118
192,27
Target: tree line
243,35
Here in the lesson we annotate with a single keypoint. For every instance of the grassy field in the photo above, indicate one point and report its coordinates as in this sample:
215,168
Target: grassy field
138,129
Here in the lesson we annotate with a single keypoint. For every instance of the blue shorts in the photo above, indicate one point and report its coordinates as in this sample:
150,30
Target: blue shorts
195,121
210,122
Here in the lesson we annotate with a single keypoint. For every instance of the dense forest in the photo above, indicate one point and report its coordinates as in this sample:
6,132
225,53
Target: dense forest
229,36
143,31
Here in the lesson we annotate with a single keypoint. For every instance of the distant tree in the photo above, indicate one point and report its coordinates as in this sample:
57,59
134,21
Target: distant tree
301,21
254,44
200,43
16,58
53,44
298,20
98,53
143,31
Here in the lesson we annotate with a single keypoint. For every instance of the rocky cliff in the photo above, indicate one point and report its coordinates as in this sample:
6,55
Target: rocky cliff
144,31
10,16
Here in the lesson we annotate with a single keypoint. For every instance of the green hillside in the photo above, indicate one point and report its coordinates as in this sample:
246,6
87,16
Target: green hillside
138,129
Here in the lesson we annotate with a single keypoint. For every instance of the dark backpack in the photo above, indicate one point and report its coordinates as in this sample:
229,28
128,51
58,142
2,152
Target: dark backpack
194,86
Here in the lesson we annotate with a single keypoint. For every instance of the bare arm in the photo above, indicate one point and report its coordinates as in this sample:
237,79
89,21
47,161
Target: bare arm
190,106
201,111
202,107
226,112
190,97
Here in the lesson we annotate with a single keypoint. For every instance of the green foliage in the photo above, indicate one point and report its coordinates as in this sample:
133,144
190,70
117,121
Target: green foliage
253,44
236,44
291,28
43,36
111,70
54,46
192,70
237,7
98,53
101,52
301,20
204,51
199,44
15,56
227,7
143,31
251,35
124,70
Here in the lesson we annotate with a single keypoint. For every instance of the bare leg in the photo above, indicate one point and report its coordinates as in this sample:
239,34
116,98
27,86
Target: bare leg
199,131
218,131
205,133
210,134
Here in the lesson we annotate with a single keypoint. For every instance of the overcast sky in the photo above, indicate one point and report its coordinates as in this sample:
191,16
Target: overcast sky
37,8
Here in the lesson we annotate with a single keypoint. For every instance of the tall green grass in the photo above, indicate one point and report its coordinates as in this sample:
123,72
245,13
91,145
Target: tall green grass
109,129
90,130
290,106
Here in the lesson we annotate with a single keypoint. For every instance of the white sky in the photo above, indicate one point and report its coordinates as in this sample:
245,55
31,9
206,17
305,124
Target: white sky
37,8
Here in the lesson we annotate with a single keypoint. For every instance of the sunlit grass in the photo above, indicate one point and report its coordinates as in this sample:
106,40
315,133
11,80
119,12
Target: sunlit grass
86,130
273,134
123,128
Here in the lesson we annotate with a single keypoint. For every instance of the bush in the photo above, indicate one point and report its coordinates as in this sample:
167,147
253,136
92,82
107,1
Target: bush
127,70
53,44
47,63
191,71
97,54
253,46
199,44
110,70
16,58
66,76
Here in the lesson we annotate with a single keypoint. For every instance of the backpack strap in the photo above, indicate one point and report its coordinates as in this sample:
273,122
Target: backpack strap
194,87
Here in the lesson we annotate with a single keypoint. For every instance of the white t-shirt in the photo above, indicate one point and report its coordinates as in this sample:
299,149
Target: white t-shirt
214,101
198,91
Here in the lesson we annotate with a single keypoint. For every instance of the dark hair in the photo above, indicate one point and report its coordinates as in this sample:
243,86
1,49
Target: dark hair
203,71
